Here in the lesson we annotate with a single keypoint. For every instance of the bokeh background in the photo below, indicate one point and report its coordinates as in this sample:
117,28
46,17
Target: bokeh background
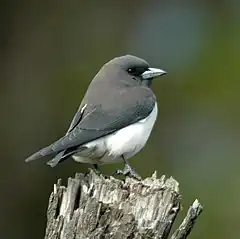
50,51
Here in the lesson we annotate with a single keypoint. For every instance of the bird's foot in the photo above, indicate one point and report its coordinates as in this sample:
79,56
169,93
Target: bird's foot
96,170
129,171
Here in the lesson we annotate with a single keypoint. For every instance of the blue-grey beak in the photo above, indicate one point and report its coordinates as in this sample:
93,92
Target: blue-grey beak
152,73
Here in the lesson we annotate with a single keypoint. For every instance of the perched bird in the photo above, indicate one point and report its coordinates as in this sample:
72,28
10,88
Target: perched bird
115,118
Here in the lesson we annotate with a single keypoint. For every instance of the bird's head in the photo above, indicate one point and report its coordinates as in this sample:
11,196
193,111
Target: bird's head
136,68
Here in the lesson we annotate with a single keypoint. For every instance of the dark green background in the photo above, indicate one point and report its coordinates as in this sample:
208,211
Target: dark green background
50,51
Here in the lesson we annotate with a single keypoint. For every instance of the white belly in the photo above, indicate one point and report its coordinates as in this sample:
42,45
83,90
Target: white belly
127,142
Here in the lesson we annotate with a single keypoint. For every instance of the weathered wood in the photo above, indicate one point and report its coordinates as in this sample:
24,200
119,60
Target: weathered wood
92,206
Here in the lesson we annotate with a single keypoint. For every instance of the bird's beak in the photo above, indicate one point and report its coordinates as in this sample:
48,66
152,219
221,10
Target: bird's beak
152,73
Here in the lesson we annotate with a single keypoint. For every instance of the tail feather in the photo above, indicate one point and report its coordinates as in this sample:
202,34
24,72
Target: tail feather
41,153
59,157
63,155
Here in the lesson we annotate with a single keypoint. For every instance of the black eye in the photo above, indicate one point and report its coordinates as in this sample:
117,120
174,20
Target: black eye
130,70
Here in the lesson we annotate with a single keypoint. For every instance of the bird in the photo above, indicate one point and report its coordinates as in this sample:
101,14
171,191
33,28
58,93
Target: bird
114,119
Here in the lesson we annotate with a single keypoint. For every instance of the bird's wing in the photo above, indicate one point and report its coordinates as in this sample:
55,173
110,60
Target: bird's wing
98,120
77,118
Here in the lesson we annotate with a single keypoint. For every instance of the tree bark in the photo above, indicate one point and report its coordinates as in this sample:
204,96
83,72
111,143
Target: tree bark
93,206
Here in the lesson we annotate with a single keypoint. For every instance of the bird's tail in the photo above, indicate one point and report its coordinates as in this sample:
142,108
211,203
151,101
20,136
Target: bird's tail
63,155
58,158
59,149
41,153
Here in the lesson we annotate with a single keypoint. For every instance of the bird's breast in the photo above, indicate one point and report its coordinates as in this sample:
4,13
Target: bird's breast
131,139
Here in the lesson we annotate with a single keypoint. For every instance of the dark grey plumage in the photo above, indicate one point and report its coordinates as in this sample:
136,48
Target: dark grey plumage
115,99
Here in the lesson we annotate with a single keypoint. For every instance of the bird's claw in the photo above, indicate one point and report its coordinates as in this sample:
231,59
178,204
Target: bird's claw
96,170
129,171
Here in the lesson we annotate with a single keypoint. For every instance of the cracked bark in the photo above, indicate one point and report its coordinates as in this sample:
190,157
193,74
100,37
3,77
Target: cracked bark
92,206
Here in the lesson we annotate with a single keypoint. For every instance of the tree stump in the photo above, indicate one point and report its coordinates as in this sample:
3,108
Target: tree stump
95,207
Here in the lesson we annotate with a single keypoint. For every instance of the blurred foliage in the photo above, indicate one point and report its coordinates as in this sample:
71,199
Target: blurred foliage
50,51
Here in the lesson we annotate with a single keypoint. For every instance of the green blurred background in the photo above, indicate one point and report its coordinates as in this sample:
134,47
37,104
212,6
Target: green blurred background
50,51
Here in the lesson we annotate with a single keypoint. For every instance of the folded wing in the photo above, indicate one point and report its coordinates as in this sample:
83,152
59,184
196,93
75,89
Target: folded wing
97,120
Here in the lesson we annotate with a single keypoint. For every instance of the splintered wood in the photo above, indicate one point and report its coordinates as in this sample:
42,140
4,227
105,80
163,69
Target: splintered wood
92,206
